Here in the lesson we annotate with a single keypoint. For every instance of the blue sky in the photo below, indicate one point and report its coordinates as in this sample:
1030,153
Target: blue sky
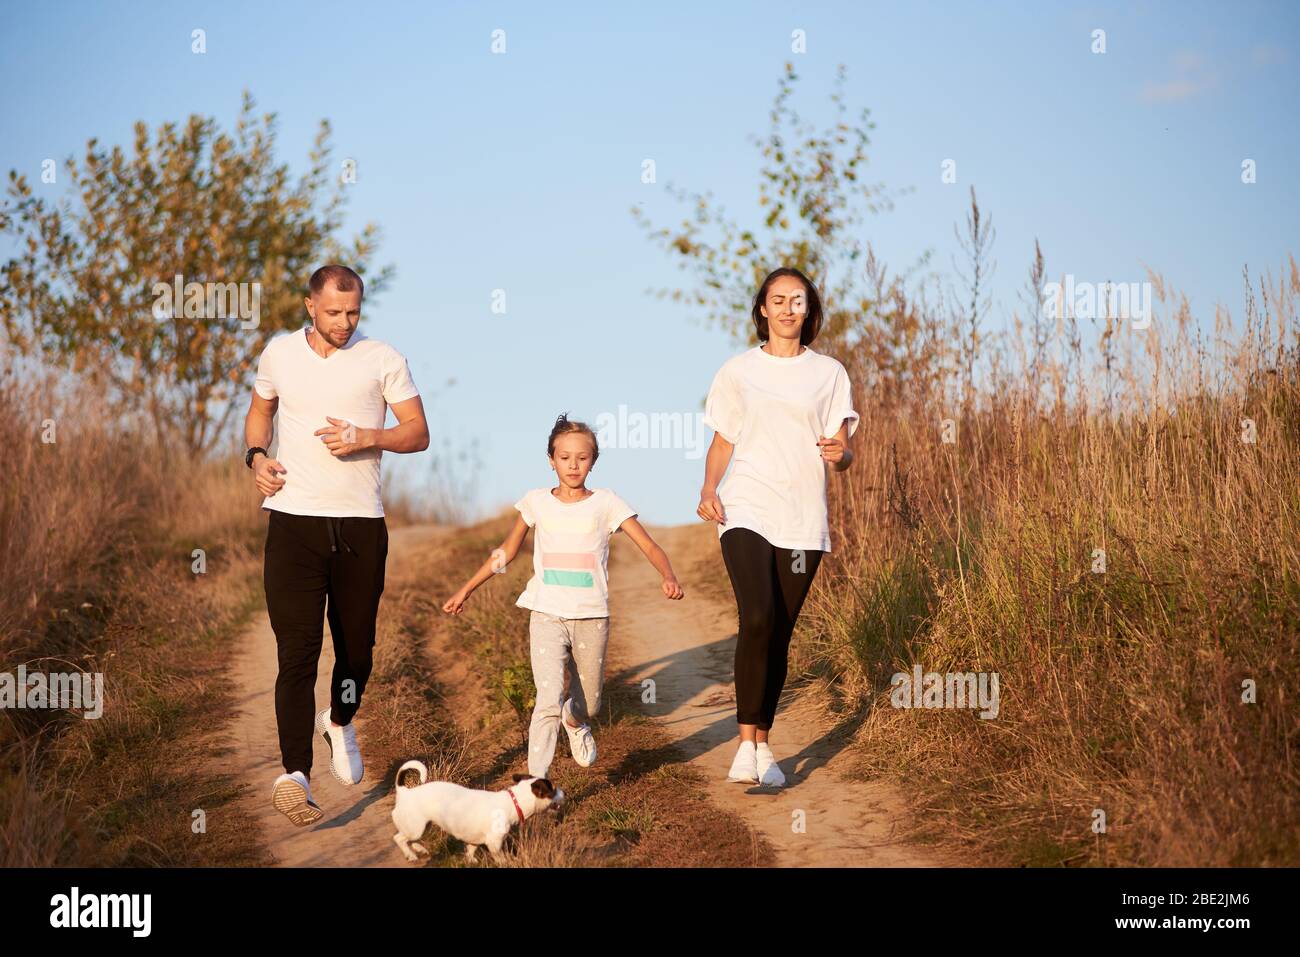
517,171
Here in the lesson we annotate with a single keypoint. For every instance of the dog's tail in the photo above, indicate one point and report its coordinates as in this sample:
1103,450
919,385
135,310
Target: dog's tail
416,766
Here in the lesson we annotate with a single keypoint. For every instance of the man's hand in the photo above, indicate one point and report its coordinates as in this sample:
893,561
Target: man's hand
671,588
341,437
266,473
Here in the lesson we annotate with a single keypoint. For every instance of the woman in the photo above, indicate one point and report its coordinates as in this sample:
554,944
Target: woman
780,413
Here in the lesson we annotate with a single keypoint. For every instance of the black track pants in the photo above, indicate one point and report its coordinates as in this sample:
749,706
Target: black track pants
313,563
770,586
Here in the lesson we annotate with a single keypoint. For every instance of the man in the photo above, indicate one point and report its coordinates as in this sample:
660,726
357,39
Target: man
326,540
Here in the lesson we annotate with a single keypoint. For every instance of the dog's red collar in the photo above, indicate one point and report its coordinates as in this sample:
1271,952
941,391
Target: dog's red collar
515,802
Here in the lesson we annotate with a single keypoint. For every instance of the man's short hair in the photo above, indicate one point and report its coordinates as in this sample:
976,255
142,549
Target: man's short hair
343,278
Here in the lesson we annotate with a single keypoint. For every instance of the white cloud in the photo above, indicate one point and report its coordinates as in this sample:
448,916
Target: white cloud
1192,76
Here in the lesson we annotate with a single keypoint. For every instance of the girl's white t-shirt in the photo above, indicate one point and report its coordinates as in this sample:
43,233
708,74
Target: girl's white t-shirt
571,551
773,410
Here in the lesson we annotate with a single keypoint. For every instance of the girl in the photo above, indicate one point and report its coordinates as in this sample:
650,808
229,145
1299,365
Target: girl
780,414
568,594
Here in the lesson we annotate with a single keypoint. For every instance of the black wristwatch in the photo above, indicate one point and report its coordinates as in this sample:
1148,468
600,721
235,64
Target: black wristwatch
248,456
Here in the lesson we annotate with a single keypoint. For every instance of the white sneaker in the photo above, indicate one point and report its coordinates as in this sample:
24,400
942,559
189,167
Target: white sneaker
745,768
345,756
291,796
769,772
582,744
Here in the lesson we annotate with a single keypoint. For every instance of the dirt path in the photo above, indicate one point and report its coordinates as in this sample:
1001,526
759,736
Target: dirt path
357,829
687,648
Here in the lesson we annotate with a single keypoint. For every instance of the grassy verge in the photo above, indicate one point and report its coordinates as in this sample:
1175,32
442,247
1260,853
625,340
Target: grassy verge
103,577
1131,573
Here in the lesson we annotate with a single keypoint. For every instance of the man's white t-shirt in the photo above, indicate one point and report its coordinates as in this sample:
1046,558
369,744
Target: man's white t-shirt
571,551
356,383
773,410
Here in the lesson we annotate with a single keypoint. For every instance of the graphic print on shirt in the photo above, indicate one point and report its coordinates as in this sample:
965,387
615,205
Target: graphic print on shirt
572,569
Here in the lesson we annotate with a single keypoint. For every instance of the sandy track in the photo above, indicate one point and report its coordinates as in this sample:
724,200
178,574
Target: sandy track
688,647
685,646
357,829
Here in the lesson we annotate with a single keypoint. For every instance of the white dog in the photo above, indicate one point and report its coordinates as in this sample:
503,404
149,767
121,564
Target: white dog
475,817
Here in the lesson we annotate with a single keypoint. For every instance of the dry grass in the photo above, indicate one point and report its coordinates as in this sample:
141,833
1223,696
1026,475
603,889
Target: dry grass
97,531
1120,690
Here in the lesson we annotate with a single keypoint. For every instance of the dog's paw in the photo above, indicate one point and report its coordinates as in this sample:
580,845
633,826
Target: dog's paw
404,846
418,848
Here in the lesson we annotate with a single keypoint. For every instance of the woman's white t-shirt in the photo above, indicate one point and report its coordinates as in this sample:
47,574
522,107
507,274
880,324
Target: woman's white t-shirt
571,551
773,410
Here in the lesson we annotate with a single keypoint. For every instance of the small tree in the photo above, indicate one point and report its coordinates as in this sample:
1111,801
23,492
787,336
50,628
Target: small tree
85,284
813,204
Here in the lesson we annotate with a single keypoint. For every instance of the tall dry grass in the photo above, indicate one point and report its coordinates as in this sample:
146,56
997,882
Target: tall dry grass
1121,690
98,529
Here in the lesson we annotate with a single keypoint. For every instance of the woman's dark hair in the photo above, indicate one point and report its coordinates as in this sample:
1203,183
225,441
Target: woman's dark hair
812,320
563,426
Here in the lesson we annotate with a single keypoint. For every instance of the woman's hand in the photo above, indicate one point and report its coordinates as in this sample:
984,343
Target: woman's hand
710,507
833,451
671,588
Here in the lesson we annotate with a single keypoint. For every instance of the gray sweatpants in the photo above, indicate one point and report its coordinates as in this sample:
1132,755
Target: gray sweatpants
568,655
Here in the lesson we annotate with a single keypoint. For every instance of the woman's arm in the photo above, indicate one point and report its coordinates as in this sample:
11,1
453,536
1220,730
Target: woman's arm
836,451
496,564
715,466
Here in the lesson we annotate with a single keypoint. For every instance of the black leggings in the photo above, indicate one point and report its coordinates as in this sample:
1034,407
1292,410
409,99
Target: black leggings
309,559
770,586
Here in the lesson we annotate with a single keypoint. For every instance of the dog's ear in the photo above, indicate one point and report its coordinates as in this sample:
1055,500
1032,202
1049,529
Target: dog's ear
520,777
410,778
542,788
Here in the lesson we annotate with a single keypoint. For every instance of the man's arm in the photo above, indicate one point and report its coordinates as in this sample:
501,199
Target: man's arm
259,424
259,429
410,434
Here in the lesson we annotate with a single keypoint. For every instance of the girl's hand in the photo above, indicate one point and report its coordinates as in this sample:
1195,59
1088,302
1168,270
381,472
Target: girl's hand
672,589
832,450
456,603
710,507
